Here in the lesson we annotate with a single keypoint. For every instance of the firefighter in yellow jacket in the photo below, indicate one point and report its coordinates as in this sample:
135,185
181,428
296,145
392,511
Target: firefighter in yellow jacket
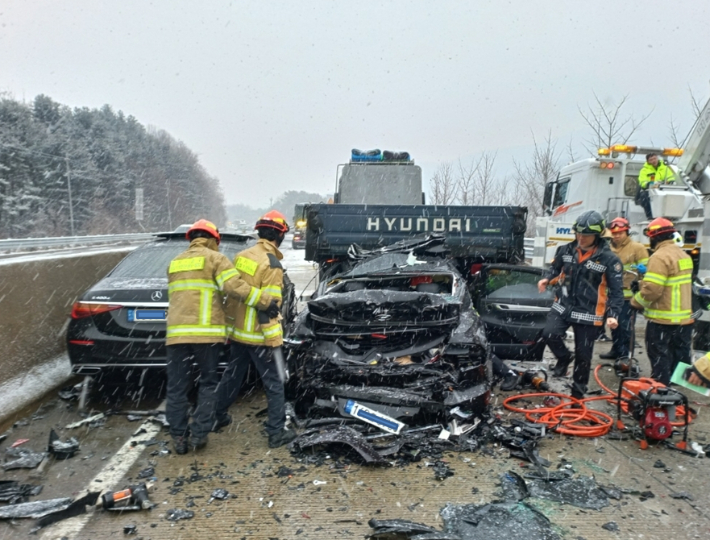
631,254
257,339
665,295
198,280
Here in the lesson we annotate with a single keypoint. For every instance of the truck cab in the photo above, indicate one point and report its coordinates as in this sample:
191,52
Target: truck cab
608,184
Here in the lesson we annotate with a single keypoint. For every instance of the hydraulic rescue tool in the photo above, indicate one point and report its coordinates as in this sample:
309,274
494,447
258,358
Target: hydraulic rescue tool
653,405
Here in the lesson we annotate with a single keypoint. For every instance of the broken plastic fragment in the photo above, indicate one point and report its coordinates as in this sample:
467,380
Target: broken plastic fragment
176,514
85,421
62,449
34,509
27,459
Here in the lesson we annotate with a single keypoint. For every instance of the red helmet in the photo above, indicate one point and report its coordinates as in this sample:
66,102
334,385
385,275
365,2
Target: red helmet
275,220
206,226
659,226
619,224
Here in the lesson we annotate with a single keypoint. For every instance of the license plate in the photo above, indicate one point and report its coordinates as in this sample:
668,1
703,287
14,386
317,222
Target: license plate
147,315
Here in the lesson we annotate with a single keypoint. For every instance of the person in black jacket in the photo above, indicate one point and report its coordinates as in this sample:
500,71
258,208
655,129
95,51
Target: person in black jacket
585,272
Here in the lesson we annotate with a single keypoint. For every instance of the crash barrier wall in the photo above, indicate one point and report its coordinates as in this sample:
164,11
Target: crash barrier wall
25,244
36,298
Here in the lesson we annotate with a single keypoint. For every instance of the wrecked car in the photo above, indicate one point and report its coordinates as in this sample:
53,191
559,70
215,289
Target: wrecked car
395,332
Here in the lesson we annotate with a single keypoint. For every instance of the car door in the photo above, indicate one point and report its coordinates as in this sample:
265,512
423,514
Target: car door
512,309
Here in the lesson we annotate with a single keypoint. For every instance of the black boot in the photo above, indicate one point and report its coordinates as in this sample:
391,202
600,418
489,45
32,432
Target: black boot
285,436
560,369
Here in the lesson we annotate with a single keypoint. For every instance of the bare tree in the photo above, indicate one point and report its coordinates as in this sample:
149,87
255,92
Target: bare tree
466,183
444,188
673,135
695,104
530,178
609,125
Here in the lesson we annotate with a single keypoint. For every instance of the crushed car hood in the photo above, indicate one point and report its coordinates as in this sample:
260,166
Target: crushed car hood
383,307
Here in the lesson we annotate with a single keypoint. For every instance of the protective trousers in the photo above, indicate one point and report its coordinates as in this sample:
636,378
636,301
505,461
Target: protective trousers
584,336
179,370
240,358
667,345
621,335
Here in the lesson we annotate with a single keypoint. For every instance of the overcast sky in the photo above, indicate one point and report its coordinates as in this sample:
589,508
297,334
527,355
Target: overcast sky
273,95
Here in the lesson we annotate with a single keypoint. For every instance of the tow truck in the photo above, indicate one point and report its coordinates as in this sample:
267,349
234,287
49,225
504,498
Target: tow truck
608,183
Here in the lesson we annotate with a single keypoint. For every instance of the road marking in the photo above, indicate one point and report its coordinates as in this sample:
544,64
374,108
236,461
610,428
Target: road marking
106,480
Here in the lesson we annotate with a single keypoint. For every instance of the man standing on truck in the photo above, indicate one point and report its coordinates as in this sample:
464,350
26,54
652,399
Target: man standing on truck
653,173
257,340
585,271
631,254
197,280
665,296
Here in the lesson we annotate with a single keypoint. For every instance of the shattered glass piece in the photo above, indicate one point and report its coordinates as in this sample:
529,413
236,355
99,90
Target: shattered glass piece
130,529
442,470
497,521
34,509
611,526
176,514
220,494
514,487
146,473
342,435
582,492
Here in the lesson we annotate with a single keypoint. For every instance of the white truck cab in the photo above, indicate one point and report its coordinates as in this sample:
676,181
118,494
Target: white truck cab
608,184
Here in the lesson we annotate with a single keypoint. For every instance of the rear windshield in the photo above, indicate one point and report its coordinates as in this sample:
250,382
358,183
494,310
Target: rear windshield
152,260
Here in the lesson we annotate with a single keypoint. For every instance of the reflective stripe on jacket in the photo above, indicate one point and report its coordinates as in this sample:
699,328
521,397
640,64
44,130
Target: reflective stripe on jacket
666,290
198,280
590,283
662,174
631,254
259,266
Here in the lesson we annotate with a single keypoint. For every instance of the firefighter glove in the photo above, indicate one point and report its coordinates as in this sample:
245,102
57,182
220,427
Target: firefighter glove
634,286
273,310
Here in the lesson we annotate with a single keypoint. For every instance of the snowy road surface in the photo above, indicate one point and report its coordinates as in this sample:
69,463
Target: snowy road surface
273,495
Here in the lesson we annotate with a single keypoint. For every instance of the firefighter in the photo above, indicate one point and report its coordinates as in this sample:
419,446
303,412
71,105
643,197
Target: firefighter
631,254
699,372
254,339
665,296
196,329
653,173
583,270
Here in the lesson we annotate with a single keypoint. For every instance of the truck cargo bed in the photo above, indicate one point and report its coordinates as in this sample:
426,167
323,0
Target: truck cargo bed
485,233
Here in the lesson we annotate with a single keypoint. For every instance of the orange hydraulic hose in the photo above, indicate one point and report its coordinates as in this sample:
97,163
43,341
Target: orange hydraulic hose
572,417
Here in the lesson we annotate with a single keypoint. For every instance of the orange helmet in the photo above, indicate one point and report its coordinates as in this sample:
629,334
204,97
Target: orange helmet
619,224
206,226
659,226
273,219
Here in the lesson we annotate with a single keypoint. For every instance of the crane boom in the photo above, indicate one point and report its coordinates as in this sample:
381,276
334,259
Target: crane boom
696,156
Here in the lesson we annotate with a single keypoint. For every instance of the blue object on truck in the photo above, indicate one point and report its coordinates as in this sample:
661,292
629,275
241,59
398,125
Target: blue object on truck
367,155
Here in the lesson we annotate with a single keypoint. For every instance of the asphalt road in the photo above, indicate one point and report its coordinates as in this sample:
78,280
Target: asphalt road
334,499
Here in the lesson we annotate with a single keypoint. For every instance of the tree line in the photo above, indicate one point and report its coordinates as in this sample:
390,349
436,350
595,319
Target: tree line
79,171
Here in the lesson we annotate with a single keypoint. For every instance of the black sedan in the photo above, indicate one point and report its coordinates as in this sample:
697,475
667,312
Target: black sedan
120,321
